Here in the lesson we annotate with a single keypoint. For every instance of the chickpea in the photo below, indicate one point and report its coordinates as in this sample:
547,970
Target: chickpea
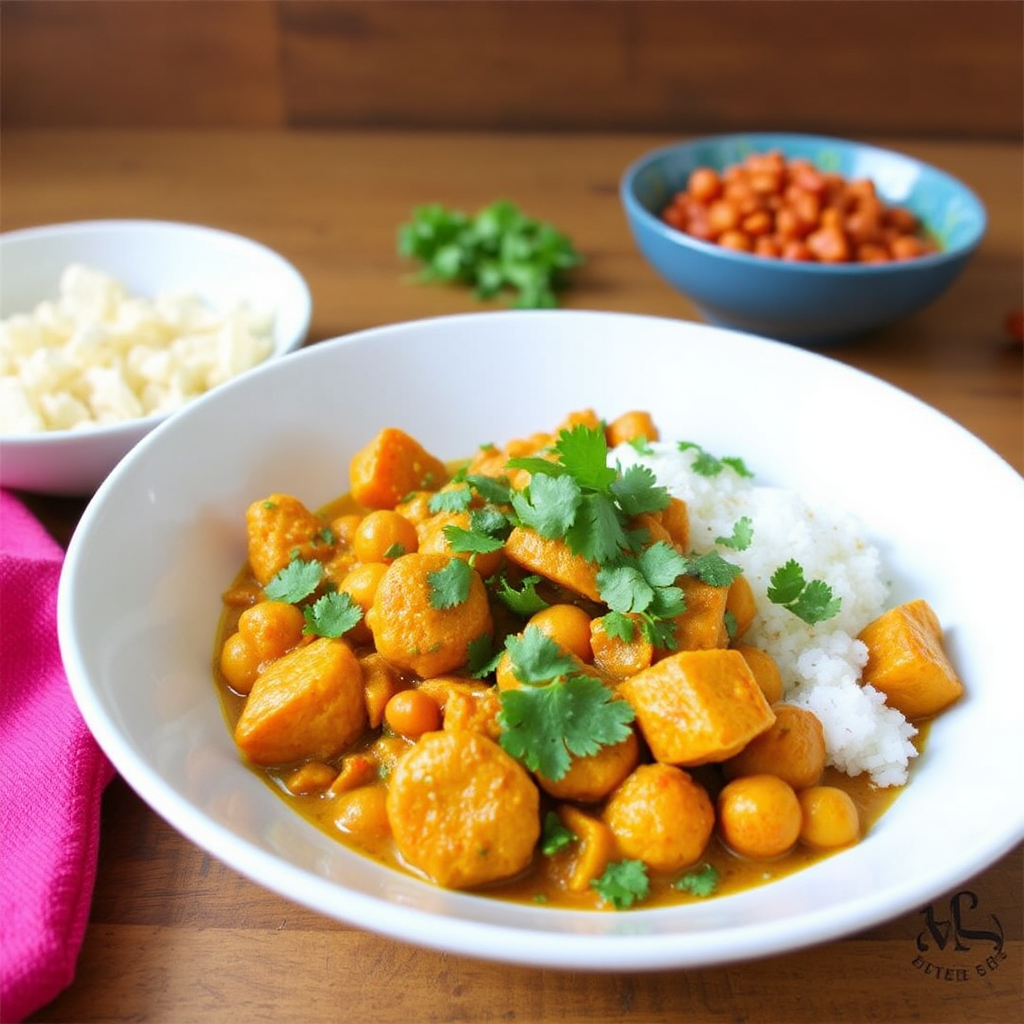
239,663
829,818
793,748
759,816
568,625
362,814
411,713
383,535
361,585
271,628
766,672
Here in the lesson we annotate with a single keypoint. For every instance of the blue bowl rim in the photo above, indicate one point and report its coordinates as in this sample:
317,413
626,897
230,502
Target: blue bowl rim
635,209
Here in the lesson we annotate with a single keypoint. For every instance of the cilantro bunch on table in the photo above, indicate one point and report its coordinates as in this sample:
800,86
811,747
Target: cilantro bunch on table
498,250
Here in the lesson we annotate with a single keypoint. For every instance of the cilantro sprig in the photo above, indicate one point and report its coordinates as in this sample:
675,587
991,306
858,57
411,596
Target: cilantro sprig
623,883
702,881
706,464
812,601
578,497
498,250
559,712
332,614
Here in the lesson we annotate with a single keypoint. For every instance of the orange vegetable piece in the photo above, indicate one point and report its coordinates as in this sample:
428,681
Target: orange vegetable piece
741,605
554,560
593,849
702,625
278,528
620,658
307,704
662,816
413,634
629,427
765,670
462,810
696,707
392,466
907,662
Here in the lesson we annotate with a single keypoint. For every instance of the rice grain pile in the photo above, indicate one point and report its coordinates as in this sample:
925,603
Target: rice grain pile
820,664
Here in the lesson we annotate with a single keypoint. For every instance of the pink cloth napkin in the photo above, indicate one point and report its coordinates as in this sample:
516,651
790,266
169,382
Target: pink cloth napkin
52,774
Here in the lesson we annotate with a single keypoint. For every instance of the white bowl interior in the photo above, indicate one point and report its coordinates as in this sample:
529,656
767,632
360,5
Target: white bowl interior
149,257
140,599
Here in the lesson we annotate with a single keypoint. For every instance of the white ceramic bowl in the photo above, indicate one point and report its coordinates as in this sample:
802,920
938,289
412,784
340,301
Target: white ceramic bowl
148,256
140,599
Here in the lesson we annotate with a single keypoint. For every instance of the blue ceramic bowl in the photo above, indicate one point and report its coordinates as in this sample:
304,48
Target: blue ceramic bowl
803,303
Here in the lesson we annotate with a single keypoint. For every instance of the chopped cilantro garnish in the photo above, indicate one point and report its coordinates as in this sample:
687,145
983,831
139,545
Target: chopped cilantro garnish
707,464
465,541
623,883
449,586
554,835
813,601
332,615
711,568
641,445
482,659
295,582
741,536
525,601
454,499
499,249
559,712
578,497
701,882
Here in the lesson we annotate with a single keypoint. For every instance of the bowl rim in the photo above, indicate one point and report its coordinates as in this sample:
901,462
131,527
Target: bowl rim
79,435
636,210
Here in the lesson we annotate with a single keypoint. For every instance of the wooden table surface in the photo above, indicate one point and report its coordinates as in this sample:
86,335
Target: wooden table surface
175,936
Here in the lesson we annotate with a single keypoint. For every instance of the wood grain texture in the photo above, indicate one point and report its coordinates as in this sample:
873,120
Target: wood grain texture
952,68
175,936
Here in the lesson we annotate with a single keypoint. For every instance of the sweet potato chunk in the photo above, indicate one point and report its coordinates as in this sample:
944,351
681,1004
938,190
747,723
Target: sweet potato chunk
391,467
414,634
554,560
906,660
462,810
593,849
307,704
702,625
695,707
278,528
661,816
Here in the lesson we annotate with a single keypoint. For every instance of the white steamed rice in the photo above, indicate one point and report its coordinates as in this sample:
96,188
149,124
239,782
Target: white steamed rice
820,665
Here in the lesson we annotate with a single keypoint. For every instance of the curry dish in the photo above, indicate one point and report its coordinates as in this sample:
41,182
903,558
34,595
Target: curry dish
514,676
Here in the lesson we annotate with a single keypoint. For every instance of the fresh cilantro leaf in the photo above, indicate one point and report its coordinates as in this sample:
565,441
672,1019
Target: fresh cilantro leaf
482,658
545,726
295,582
701,882
645,582
637,491
711,568
493,490
554,836
641,445
737,465
490,520
525,601
597,533
332,615
454,499
619,625
462,540
499,249
537,659
395,550
449,586
706,464
741,536
813,601
583,452
623,883
548,504
731,625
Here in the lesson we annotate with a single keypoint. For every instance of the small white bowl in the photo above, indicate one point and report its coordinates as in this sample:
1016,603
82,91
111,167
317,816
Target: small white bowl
148,257
140,600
